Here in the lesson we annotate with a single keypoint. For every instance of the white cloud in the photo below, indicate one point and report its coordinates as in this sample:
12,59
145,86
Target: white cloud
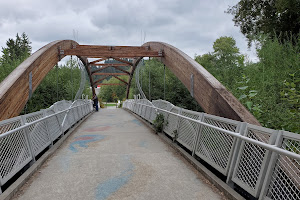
190,25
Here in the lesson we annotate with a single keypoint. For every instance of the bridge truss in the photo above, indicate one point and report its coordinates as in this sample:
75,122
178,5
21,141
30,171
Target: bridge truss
211,95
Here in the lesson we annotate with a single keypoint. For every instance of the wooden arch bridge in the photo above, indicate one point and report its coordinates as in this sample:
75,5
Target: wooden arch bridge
211,95
129,162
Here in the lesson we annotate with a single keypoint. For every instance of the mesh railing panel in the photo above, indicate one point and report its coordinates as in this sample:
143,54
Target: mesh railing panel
16,148
9,125
172,122
53,125
250,163
285,179
216,147
38,133
14,155
187,131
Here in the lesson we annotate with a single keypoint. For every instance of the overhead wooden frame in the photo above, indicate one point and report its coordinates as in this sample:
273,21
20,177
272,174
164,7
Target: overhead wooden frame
112,64
116,67
113,51
111,84
112,74
213,97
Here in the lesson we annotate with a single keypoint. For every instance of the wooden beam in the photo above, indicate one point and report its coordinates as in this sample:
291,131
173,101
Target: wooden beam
87,68
120,79
122,70
123,61
100,79
111,74
111,84
14,89
98,60
112,51
211,95
100,69
112,64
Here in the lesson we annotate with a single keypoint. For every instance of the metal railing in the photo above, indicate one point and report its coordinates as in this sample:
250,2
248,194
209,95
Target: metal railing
24,137
262,161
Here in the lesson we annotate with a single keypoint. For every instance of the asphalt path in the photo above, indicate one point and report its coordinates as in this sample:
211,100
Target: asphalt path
113,155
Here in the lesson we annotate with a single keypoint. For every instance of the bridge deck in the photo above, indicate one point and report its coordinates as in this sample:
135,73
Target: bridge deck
112,155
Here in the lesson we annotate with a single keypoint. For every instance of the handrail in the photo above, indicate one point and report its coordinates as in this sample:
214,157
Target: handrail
37,121
263,162
234,134
21,145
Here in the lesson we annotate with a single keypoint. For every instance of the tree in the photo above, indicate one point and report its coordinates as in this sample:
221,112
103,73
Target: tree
15,52
272,17
225,62
227,53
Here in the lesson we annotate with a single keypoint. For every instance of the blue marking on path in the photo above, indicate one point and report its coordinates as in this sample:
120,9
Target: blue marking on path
83,141
107,188
137,122
143,144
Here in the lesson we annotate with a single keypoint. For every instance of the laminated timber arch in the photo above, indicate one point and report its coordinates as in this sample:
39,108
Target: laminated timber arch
14,89
208,91
211,95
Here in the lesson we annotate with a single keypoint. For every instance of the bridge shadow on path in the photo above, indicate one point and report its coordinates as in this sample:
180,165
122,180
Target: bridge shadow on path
112,155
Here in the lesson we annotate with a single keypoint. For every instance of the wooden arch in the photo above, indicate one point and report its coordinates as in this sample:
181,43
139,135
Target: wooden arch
208,91
211,95
14,89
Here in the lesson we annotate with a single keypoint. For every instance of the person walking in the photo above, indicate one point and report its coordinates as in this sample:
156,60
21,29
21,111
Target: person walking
95,99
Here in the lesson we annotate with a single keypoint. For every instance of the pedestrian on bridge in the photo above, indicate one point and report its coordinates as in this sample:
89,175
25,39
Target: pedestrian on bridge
95,99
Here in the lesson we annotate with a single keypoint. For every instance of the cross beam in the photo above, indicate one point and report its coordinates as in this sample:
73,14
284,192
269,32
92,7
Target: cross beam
112,64
112,74
112,84
112,51
98,60
121,80
101,79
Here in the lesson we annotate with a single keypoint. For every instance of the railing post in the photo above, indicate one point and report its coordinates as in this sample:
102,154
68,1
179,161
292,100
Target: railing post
237,145
198,132
178,125
272,162
27,137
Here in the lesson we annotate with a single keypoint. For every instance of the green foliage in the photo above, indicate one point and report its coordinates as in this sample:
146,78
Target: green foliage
113,93
290,95
15,52
176,92
247,97
225,63
269,17
159,122
266,88
62,82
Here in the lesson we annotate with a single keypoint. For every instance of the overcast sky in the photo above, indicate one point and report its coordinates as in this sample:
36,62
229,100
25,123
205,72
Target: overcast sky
190,25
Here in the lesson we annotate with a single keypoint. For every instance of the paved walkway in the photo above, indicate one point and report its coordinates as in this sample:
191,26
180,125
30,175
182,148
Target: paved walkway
112,155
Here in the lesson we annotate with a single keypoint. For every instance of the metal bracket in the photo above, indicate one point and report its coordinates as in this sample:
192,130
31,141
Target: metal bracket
60,53
30,85
161,53
192,85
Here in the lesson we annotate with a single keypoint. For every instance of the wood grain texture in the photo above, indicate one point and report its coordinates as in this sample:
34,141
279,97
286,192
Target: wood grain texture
112,51
213,97
14,89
